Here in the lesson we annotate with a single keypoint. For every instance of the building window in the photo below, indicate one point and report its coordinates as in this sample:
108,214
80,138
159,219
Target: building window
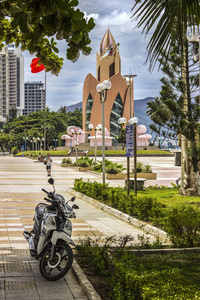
116,113
88,110
111,70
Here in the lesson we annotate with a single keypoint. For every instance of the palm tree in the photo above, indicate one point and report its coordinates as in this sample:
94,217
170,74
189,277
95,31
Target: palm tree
63,109
162,15
170,19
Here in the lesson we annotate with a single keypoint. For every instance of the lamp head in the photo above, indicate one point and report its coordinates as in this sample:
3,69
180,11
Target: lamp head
90,126
122,121
107,84
133,120
100,87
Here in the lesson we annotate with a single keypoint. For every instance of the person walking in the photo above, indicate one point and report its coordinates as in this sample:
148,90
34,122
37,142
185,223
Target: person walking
48,161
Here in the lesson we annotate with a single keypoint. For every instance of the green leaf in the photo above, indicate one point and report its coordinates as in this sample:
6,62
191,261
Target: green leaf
74,3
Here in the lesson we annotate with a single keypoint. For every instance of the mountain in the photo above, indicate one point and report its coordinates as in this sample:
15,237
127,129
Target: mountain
74,106
140,106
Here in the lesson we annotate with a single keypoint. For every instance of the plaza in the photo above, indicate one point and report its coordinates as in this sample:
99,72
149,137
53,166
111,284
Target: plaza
21,181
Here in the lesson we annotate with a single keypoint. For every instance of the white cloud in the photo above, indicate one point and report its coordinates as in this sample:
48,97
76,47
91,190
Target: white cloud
94,16
115,18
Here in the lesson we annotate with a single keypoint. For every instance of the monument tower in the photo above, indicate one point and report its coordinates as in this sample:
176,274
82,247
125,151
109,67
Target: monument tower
117,105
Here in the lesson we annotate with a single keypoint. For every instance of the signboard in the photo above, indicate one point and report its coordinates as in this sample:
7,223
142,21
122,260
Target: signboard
129,140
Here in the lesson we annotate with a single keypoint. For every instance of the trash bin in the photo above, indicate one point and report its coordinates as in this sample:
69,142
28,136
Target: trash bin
177,158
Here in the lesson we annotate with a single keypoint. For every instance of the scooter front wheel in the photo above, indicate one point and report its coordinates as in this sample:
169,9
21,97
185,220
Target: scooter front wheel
61,264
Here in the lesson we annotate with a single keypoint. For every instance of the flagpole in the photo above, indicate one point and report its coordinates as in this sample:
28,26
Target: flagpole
45,85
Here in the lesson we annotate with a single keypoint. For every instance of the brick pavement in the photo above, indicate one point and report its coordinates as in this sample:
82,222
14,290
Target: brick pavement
21,180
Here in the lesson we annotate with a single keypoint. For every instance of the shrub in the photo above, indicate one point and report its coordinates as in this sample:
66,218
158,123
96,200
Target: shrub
114,168
34,154
14,150
110,167
143,168
127,276
182,223
139,167
183,226
84,162
143,207
147,169
66,160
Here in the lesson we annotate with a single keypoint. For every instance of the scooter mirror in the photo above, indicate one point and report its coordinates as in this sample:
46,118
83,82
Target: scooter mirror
73,199
74,206
51,181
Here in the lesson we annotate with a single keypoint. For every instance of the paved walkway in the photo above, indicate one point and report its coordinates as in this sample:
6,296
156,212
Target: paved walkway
21,181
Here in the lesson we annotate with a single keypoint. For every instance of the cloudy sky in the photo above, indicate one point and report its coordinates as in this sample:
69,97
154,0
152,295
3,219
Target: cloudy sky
66,89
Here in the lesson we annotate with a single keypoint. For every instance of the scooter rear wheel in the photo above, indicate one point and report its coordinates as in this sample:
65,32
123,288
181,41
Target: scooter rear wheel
61,264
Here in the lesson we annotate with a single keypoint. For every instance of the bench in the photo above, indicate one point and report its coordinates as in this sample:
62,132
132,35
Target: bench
140,183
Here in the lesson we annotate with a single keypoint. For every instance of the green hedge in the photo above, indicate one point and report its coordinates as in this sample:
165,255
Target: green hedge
143,207
126,276
182,223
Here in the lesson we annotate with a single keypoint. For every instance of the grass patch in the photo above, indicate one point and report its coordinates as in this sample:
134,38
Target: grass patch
119,274
169,196
123,152
52,152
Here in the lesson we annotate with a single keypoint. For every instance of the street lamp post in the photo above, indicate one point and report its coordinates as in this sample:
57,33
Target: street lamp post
76,133
167,139
90,126
55,142
122,121
32,142
134,121
102,89
25,138
70,139
160,142
129,79
38,143
35,140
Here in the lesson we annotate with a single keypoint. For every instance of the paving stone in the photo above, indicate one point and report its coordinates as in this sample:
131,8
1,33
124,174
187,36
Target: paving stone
21,181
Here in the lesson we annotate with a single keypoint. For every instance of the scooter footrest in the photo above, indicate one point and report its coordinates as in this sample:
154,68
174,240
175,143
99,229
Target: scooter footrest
26,235
33,253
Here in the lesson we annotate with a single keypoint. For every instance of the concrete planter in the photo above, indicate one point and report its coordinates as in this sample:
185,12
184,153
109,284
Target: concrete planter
84,169
65,165
116,176
123,176
145,175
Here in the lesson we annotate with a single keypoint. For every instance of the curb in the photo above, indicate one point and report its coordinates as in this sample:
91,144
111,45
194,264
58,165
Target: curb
122,216
84,282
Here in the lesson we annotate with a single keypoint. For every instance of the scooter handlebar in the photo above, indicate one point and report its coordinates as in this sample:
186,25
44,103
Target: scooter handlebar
45,191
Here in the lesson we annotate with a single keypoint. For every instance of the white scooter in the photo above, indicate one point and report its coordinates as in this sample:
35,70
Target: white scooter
50,239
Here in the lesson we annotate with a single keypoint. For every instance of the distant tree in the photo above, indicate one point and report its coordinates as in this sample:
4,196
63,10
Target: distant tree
63,109
34,24
33,126
12,114
4,140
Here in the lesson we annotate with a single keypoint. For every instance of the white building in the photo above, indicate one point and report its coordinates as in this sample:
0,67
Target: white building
11,81
34,97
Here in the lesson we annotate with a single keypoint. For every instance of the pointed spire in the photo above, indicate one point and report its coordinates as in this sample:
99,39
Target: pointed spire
107,40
